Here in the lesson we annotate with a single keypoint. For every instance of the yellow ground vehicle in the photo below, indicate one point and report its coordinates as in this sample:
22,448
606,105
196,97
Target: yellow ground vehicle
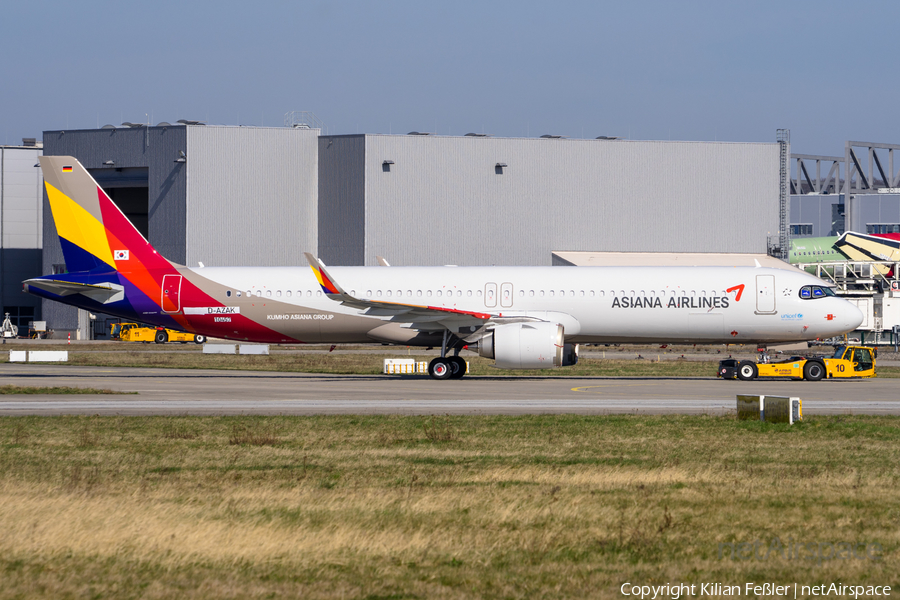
847,361
136,332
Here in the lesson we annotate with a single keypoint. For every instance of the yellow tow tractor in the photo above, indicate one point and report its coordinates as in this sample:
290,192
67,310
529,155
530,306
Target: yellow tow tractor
847,361
137,332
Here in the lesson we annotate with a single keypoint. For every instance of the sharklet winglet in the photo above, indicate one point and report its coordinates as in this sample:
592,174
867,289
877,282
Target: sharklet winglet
328,285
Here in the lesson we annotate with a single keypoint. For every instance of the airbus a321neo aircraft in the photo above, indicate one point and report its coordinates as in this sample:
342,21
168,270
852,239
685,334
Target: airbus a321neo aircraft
521,317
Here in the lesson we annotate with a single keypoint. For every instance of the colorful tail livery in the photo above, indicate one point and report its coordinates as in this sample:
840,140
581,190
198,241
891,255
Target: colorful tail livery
521,317
111,267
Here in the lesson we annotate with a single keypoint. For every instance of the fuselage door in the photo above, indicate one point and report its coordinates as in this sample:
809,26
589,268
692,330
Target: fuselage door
765,293
506,295
171,291
490,295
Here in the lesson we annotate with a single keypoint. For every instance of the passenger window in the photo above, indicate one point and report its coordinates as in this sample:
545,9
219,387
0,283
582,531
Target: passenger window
278,294
319,293
288,293
228,294
238,294
268,293
531,294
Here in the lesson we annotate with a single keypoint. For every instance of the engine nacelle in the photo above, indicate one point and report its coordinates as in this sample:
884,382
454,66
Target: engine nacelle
537,345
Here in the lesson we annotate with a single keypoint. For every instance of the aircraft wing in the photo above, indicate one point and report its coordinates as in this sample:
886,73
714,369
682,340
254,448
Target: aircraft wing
861,246
418,314
101,292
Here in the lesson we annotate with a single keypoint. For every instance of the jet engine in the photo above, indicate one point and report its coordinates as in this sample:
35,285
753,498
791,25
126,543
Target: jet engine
530,345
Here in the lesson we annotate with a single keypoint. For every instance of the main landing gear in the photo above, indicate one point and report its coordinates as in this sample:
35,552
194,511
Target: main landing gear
447,367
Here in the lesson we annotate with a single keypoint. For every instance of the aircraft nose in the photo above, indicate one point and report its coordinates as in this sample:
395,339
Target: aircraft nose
852,316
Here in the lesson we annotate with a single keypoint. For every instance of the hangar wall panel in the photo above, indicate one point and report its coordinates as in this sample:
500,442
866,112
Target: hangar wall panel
815,210
21,198
342,199
20,222
252,195
444,202
871,209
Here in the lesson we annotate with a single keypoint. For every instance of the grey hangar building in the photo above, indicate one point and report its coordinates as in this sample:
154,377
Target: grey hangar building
245,196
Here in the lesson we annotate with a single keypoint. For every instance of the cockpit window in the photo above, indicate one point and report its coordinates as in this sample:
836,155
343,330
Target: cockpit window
815,291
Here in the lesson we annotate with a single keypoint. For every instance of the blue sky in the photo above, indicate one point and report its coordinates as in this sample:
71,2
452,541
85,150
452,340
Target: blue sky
733,71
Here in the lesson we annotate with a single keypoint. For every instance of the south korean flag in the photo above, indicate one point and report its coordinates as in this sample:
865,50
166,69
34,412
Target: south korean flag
120,255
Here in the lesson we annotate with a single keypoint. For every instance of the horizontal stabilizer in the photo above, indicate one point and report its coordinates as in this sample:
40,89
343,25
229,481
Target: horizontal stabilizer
101,292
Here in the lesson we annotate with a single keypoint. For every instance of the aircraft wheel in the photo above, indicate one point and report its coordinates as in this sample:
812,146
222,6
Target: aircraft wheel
161,337
747,371
457,367
439,368
813,370
199,339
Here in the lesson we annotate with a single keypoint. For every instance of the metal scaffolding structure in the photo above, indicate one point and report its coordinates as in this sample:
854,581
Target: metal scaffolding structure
804,184
783,137
862,178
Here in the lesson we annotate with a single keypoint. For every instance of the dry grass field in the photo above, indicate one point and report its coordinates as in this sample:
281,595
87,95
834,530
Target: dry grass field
438,507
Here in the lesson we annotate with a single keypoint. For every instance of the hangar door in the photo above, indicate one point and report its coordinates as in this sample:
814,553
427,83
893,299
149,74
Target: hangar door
128,188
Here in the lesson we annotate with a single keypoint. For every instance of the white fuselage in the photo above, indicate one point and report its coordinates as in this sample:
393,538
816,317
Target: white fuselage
594,304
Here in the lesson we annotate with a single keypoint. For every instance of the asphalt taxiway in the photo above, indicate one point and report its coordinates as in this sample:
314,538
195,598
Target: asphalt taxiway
212,392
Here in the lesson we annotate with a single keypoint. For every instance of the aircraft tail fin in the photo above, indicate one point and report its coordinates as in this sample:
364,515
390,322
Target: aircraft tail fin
95,235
